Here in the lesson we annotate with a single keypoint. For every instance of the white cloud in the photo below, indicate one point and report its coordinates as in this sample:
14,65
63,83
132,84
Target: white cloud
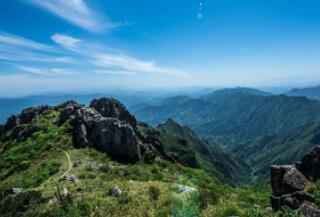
46,71
65,41
114,72
33,70
14,40
108,59
76,12
19,49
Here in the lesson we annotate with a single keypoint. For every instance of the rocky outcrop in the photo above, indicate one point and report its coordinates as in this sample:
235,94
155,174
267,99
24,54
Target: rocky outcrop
20,127
109,134
289,183
310,164
112,108
106,125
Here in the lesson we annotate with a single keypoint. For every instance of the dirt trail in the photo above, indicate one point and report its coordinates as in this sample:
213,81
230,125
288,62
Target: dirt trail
69,162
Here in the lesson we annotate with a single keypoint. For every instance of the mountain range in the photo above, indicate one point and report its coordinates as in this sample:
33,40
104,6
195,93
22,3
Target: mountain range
257,126
310,92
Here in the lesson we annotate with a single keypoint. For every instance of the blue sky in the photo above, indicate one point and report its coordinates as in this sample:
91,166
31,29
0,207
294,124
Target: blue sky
92,45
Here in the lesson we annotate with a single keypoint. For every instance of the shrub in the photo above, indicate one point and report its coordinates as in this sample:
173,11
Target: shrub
208,197
154,192
125,198
149,156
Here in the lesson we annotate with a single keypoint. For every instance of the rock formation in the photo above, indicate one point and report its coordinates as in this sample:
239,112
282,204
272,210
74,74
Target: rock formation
21,127
289,184
106,125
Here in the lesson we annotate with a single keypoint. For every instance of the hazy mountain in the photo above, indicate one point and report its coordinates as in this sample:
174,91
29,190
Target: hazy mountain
261,128
310,92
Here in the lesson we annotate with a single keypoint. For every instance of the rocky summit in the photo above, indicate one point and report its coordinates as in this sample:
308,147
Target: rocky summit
106,125
291,184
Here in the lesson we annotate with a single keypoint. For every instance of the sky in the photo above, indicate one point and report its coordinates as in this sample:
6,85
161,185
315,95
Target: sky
92,45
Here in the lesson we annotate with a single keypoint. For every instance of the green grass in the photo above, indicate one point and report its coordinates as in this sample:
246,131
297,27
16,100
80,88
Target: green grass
38,163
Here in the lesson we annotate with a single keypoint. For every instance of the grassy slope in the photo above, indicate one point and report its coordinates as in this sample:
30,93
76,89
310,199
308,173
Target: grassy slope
210,158
38,163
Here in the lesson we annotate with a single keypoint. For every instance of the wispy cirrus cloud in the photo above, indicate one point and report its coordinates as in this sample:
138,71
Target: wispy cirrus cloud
76,12
116,61
14,40
18,49
115,72
46,71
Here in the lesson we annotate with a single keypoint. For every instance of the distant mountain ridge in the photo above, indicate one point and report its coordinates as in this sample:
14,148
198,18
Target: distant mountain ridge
246,123
310,92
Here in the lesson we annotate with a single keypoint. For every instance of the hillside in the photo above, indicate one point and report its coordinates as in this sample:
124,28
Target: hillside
310,92
59,161
239,121
210,158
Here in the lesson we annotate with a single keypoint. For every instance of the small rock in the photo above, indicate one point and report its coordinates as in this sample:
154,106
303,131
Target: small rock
185,189
70,178
115,192
309,211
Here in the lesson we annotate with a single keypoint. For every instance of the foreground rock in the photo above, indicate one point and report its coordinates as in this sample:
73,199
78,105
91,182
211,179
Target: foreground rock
290,181
108,126
115,192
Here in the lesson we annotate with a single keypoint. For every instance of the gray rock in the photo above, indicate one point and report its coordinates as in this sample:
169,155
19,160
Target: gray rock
116,138
310,164
112,108
289,182
70,178
277,175
310,211
115,192
293,181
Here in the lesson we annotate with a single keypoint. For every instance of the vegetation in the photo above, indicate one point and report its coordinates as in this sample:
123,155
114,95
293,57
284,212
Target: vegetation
258,127
148,187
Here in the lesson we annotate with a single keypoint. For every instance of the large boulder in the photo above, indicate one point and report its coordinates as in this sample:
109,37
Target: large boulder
310,164
310,211
90,129
290,181
277,174
112,108
117,138
2,132
293,180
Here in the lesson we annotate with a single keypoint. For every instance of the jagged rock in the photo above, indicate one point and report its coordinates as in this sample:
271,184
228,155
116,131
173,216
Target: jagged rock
67,111
116,138
289,182
12,122
310,164
70,178
90,128
112,108
115,192
2,132
22,133
293,181
26,117
277,175
309,211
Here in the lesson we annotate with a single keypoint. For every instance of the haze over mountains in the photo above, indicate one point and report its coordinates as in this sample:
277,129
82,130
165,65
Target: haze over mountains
252,124
249,123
